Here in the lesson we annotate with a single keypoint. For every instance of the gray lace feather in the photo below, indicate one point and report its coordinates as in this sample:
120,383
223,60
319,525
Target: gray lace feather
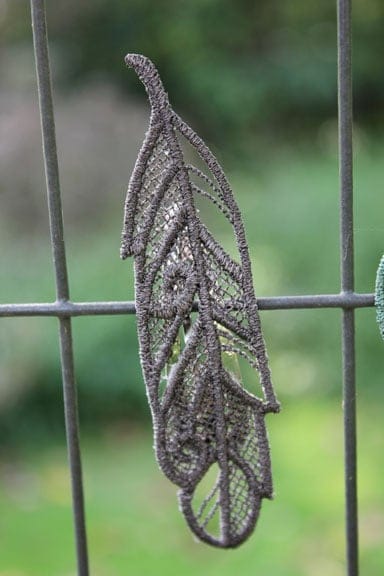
210,436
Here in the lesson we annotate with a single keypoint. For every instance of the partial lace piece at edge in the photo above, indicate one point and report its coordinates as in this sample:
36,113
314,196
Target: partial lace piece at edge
210,436
379,297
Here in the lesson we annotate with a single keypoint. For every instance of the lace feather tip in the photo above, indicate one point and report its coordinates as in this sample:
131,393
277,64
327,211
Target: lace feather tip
131,59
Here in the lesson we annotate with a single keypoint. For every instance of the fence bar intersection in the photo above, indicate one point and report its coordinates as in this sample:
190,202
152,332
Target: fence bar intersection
40,42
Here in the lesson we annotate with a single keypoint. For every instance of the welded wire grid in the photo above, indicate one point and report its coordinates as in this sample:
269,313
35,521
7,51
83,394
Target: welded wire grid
63,309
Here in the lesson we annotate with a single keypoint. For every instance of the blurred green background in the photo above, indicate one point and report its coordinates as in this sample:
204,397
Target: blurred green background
258,81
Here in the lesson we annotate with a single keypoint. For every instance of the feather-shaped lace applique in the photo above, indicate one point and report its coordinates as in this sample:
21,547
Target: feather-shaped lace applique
197,317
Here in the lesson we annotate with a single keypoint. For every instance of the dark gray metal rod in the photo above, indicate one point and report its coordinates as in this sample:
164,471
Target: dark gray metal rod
344,36
350,443
40,42
66,309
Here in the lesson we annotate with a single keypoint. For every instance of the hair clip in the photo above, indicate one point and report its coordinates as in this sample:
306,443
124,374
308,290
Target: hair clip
197,317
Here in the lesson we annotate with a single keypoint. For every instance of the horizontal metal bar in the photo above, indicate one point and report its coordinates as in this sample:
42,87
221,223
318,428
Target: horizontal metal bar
344,300
347,300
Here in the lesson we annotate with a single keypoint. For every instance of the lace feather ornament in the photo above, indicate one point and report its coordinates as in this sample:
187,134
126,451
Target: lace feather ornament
196,316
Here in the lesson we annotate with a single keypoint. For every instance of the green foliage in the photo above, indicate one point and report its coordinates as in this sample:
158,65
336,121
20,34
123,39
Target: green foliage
109,378
236,67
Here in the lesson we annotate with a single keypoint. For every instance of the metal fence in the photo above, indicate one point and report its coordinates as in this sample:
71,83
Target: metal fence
64,309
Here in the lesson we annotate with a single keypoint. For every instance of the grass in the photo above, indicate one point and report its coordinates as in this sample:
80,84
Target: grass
133,521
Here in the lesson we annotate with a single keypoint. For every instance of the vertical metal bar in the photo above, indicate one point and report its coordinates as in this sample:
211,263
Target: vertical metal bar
40,41
344,38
